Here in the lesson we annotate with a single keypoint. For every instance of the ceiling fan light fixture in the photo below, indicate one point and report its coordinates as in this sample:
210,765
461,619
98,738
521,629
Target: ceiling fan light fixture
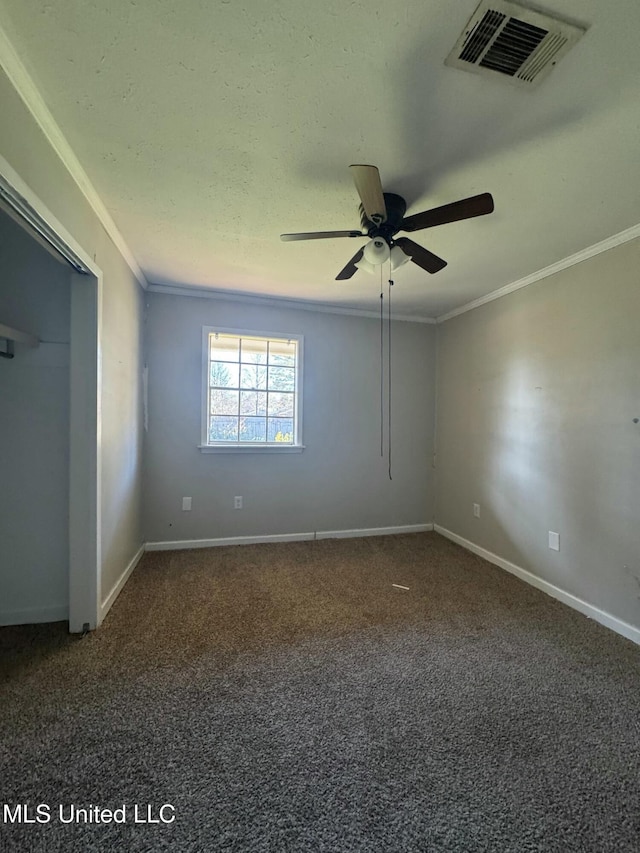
398,258
377,251
365,266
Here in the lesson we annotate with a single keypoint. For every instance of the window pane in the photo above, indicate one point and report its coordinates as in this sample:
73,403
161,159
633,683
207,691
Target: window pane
224,375
281,379
253,377
224,348
253,429
282,353
280,430
253,351
223,429
280,404
251,394
224,402
253,403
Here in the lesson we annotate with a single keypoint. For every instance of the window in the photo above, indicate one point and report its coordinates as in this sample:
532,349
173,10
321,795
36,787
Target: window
252,390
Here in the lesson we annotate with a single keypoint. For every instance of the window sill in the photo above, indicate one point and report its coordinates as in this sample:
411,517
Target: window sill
250,448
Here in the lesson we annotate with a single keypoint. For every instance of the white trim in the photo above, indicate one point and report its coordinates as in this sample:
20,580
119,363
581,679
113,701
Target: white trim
607,619
374,531
85,452
34,615
13,179
303,305
251,448
20,209
31,97
106,605
570,261
207,331
182,544
84,425
280,302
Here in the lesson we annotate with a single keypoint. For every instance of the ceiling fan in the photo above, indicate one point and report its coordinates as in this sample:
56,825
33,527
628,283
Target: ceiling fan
382,216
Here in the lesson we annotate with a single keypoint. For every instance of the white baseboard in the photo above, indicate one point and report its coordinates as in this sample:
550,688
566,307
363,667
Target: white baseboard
106,605
373,531
181,544
35,615
624,628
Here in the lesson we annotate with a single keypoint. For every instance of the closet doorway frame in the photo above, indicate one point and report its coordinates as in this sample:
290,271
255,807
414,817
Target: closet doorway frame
85,464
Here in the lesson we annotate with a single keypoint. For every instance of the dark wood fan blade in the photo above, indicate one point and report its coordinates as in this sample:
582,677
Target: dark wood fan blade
421,256
351,267
466,208
369,187
321,235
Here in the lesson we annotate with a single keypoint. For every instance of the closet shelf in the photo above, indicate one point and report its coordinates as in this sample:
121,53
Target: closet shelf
15,336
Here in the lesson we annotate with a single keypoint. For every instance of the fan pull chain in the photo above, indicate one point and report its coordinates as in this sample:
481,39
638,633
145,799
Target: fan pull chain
389,356
381,369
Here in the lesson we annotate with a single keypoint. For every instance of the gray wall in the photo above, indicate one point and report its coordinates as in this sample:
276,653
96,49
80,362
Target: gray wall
536,396
34,432
339,482
26,149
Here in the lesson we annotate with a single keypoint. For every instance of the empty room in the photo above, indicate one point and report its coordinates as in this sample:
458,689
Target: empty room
319,426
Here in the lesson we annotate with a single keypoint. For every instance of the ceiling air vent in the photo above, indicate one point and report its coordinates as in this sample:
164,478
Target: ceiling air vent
519,44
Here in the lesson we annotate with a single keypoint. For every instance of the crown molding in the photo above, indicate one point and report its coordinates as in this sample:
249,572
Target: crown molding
570,261
22,82
26,89
277,302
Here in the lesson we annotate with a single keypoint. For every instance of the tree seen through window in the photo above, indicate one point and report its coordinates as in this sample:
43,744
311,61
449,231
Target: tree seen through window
252,389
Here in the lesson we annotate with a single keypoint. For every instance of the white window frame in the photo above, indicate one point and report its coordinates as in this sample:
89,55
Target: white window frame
205,445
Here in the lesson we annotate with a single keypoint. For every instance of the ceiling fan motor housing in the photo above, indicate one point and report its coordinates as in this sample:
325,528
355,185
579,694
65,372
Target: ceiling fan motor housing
396,207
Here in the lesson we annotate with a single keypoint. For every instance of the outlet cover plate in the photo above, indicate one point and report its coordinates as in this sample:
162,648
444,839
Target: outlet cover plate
554,541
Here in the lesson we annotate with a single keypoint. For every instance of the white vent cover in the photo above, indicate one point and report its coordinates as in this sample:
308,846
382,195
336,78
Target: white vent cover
508,41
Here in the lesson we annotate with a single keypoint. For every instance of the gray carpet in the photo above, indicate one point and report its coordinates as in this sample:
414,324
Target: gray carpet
288,698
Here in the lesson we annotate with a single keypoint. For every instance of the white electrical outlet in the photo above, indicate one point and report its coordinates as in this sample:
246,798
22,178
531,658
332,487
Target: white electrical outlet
554,541
476,510
186,504
237,502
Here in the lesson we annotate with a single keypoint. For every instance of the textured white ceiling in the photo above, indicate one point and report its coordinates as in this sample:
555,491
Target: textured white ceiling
209,127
